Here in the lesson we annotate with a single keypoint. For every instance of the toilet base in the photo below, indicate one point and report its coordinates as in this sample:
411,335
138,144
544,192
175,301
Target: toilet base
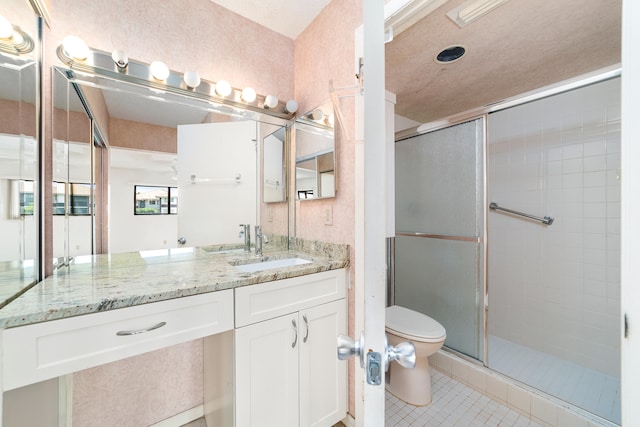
411,385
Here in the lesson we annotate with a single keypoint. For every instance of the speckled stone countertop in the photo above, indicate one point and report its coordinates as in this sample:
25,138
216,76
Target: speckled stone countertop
105,282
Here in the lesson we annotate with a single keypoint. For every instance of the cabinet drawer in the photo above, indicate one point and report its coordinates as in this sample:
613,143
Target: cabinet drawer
264,301
46,350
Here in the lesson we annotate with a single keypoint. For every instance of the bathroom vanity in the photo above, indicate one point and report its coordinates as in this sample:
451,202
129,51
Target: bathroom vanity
270,334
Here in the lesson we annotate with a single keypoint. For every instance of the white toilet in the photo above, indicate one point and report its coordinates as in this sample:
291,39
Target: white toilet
402,324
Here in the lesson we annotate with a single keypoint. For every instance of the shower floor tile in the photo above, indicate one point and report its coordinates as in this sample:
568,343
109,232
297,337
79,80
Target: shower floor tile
586,388
453,405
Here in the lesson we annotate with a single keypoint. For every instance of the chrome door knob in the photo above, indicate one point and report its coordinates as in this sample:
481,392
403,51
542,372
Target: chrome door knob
403,353
348,347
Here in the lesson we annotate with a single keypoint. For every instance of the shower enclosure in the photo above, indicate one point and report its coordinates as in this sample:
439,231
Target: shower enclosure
533,299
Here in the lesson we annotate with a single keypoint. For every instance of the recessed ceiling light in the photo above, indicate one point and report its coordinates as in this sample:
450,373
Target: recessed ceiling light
450,54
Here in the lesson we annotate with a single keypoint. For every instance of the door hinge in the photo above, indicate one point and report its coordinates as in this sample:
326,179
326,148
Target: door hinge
626,326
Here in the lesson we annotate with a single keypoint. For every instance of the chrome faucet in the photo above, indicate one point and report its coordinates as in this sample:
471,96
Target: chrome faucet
246,232
260,239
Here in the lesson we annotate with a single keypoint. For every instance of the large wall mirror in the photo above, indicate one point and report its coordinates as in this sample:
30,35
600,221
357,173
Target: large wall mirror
18,149
140,169
274,166
315,154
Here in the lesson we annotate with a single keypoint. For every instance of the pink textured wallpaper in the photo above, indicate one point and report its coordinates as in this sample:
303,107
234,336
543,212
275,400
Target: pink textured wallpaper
186,35
133,392
326,51
127,134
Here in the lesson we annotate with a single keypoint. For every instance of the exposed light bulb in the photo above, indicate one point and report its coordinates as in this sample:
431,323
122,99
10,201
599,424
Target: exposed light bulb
159,70
223,88
17,38
271,101
248,95
317,114
120,58
291,106
330,120
6,29
191,79
75,47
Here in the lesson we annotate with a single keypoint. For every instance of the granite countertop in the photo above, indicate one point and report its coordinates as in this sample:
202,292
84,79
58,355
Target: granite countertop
99,283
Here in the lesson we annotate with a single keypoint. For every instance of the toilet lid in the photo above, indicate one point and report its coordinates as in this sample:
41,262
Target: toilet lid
407,323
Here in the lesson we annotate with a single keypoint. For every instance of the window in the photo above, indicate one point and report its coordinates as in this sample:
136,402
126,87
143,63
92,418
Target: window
152,200
58,198
79,198
26,197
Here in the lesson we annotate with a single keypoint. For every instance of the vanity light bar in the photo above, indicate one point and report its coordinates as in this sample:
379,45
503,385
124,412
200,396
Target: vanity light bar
102,63
18,43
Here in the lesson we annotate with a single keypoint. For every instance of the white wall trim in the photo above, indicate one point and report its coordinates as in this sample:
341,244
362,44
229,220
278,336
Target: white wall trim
349,421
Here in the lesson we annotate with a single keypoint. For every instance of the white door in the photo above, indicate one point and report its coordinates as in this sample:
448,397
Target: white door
630,283
323,378
216,181
371,205
266,382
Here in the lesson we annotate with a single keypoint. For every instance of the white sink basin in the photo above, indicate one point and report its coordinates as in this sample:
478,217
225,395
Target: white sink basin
267,265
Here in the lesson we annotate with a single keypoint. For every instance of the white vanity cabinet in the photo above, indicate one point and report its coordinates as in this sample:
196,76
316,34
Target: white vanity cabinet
47,350
286,369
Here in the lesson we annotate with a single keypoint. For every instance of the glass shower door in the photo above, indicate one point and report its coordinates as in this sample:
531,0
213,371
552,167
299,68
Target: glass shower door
439,221
554,290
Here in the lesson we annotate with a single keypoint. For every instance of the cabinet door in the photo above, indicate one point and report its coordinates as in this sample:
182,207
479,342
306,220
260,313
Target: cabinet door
323,378
267,373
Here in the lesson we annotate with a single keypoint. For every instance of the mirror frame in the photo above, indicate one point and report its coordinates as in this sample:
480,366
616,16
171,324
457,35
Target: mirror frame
320,121
282,169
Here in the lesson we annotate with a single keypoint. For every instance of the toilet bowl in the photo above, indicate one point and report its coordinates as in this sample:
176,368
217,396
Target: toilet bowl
402,324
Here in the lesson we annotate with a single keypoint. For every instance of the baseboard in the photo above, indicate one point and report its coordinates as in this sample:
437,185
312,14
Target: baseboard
182,418
349,421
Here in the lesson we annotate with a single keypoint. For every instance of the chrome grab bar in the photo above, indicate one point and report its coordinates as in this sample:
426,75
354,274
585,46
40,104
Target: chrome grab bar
546,220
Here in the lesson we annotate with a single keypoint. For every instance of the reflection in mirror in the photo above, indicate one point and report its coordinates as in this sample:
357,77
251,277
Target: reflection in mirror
315,154
72,168
178,170
274,166
18,154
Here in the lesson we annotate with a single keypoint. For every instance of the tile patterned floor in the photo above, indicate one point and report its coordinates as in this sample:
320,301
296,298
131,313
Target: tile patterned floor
453,405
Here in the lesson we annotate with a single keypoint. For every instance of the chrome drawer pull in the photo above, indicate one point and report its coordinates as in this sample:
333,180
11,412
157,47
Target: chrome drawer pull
295,330
141,331
306,323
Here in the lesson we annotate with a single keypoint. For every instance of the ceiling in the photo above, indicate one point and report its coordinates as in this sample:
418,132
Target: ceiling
520,46
287,17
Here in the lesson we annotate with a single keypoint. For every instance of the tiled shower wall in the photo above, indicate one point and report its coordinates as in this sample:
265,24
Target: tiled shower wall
557,288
